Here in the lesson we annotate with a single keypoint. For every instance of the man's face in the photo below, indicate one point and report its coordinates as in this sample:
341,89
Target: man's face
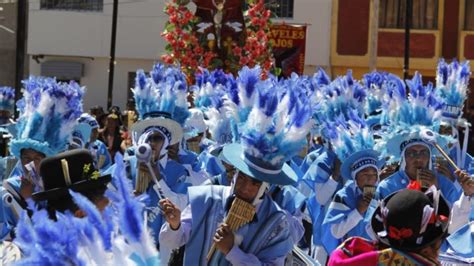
94,135
156,141
246,188
416,157
367,177
30,155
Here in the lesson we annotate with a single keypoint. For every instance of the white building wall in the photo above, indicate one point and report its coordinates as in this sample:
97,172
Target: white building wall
317,15
85,37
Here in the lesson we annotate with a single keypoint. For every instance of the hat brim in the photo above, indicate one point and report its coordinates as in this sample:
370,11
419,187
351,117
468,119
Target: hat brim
217,152
347,164
378,226
16,145
173,127
85,185
233,153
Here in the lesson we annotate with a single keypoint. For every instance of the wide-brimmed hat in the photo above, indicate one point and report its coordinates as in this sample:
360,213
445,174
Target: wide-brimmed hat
159,121
70,170
409,219
259,169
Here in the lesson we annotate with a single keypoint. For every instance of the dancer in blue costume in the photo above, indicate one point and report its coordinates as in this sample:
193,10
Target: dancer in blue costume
351,209
7,103
409,119
336,100
267,238
48,114
452,82
96,147
161,104
216,95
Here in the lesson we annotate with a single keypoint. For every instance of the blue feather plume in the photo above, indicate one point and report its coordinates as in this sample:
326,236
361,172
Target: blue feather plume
165,90
7,98
452,85
48,114
279,121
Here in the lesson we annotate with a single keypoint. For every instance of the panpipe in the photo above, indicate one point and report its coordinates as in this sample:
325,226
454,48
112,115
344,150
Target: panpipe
240,213
142,181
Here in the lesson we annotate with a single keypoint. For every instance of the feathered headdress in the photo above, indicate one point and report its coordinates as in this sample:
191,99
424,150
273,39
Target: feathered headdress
354,145
161,101
7,99
452,82
210,92
342,96
48,114
376,91
165,91
243,95
274,132
211,86
117,236
408,117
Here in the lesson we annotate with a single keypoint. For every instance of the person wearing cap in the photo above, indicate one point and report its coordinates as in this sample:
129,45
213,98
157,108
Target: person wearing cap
412,127
415,170
414,241
452,87
48,113
194,129
161,102
267,238
96,147
352,206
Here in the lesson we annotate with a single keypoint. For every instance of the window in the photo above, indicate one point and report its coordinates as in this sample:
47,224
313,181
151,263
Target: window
469,15
424,14
73,5
280,8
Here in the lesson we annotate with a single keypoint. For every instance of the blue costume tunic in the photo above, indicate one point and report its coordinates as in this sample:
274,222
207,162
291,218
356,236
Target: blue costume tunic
318,172
311,157
399,180
344,202
8,219
267,236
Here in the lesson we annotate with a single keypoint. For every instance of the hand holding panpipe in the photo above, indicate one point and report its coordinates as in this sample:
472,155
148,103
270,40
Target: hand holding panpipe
240,213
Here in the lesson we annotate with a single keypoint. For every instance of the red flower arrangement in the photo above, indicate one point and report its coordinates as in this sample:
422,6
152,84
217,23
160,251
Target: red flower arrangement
183,46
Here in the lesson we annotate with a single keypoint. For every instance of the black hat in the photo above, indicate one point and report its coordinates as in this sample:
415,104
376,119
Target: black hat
409,219
73,170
